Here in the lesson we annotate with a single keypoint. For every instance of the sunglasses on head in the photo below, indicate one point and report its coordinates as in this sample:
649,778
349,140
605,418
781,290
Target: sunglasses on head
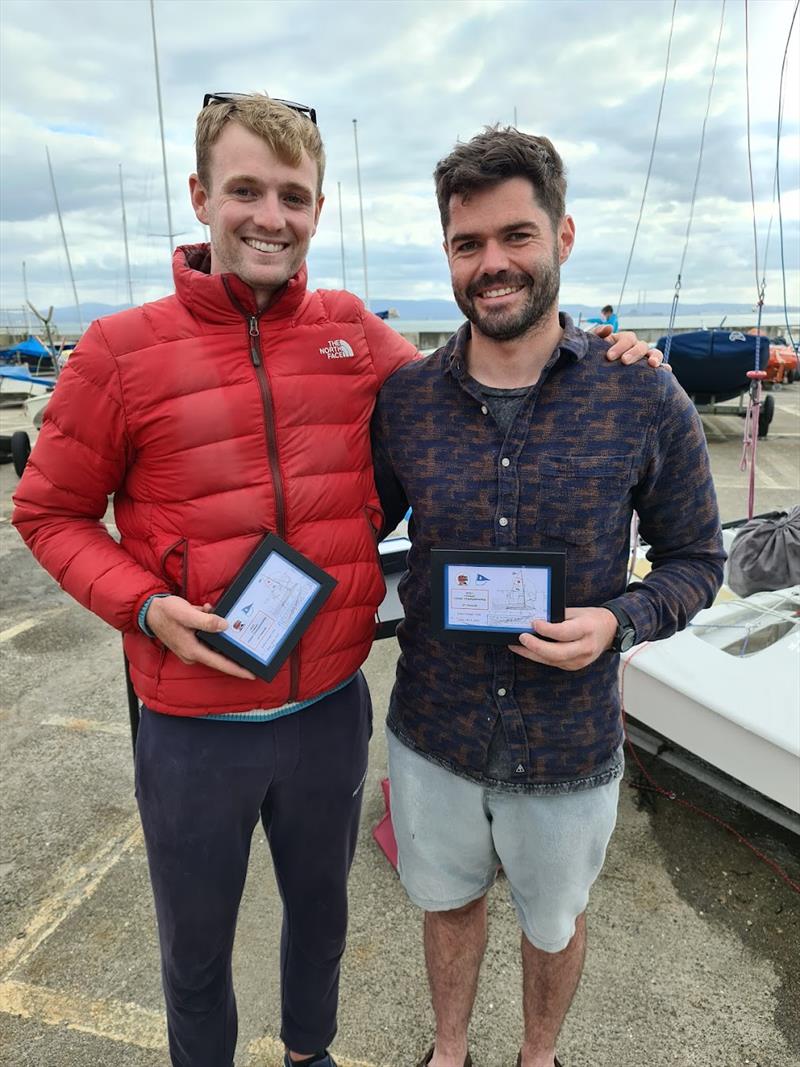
227,98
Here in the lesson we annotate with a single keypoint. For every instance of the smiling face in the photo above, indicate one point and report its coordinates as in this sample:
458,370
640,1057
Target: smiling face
505,258
262,212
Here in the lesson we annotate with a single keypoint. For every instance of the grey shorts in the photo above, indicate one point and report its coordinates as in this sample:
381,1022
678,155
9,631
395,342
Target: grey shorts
453,834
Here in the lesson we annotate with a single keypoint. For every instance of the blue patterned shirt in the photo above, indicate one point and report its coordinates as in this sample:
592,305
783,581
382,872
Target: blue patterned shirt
591,442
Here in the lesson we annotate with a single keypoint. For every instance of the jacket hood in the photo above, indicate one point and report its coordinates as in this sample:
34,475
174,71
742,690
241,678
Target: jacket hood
214,297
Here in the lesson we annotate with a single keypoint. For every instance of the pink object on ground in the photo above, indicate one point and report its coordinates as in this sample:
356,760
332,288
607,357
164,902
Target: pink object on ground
384,832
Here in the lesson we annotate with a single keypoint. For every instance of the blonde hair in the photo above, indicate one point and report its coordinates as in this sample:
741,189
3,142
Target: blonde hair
287,132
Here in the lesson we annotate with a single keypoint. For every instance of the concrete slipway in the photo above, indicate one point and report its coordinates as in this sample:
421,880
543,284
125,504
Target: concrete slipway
693,942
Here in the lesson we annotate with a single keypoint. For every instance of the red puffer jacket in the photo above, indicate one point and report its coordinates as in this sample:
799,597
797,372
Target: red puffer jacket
212,425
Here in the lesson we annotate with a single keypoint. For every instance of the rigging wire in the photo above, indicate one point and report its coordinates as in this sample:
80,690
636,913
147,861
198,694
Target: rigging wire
703,137
757,375
769,227
676,295
652,155
749,147
778,172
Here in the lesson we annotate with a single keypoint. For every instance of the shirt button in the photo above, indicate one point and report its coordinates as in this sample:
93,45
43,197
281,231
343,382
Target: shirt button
484,410
505,461
503,521
501,692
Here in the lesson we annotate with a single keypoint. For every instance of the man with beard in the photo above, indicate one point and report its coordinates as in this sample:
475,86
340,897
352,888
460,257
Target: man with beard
525,437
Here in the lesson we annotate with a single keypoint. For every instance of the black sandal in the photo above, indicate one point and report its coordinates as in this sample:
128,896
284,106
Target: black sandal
426,1059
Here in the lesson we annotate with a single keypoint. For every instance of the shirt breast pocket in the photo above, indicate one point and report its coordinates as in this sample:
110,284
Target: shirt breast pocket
583,498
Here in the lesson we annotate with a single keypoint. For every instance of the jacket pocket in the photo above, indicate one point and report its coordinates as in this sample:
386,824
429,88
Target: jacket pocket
583,498
175,566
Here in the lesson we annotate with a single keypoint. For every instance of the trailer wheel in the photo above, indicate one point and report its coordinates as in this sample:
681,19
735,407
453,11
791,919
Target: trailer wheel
20,450
766,414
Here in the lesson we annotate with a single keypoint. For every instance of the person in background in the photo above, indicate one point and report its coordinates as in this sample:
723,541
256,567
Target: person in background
607,316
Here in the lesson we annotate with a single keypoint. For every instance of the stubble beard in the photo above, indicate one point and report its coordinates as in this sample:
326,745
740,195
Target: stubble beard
541,295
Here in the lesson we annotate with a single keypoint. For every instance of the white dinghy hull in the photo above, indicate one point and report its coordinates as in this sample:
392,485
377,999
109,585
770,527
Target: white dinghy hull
728,690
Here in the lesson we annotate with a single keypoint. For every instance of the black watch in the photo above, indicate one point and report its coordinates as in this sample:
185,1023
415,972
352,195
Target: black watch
625,637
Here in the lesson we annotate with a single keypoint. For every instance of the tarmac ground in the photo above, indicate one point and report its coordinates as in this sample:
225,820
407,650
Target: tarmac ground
693,940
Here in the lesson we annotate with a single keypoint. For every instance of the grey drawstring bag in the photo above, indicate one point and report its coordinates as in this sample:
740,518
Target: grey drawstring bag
765,555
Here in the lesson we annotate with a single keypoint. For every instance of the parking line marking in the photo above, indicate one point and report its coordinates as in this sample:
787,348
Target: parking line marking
28,624
119,1020
20,628
87,726
77,883
114,1020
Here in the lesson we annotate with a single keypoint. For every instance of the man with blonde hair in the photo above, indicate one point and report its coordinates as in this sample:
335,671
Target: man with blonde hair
214,416
238,406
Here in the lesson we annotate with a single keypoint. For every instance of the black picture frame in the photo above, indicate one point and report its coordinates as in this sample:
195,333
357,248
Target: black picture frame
442,558
223,643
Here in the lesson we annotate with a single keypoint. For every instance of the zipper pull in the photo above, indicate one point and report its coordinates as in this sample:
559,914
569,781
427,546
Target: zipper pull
255,355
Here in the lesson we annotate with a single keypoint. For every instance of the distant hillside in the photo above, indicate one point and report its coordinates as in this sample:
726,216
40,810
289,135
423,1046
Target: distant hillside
419,309
448,310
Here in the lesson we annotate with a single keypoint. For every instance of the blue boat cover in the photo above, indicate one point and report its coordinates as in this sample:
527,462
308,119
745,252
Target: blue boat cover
32,347
714,362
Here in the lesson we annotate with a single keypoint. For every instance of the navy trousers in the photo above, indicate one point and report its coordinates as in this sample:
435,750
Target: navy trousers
201,787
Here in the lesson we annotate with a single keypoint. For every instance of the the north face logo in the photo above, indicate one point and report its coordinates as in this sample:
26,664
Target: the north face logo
337,350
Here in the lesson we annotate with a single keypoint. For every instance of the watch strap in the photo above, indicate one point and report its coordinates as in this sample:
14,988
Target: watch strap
624,623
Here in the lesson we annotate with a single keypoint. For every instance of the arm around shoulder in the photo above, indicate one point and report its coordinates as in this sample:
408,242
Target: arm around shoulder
389,349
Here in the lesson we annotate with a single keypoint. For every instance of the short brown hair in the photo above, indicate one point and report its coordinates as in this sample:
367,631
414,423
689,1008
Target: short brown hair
287,132
496,155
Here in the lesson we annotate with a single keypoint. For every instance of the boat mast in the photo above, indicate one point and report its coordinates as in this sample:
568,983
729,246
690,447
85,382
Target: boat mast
341,236
25,292
170,231
361,212
64,239
125,237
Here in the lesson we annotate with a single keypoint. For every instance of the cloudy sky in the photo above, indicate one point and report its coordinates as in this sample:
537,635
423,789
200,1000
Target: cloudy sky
78,77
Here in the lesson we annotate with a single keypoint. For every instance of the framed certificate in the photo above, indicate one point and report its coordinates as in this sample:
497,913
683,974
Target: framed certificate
489,597
269,605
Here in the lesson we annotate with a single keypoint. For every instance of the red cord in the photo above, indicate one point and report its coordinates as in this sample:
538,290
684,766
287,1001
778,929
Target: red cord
656,788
